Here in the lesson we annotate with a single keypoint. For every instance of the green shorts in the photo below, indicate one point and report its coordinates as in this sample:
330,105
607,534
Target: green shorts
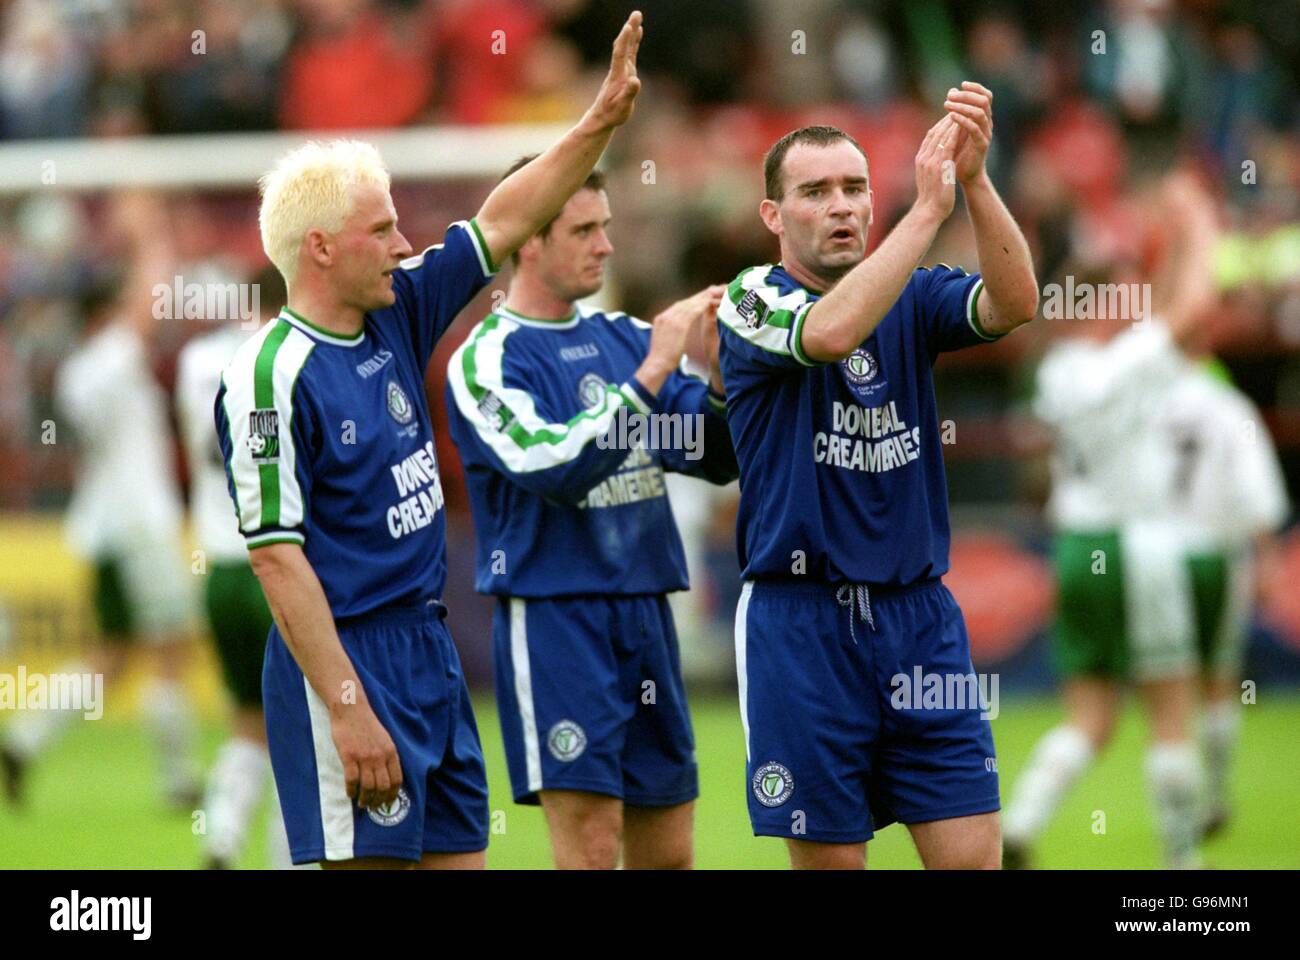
1222,587
1128,607
1090,635
143,593
113,609
240,621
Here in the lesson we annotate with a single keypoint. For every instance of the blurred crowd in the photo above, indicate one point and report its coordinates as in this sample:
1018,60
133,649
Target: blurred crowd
1092,100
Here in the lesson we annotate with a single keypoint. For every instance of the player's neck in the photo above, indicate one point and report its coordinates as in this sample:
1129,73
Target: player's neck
335,318
531,298
806,278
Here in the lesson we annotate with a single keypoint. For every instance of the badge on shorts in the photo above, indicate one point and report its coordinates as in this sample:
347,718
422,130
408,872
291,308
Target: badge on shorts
391,814
264,435
566,741
773,784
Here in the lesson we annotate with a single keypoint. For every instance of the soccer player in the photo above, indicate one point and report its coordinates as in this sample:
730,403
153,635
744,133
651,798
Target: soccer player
125,520
843,521
236,609
1126,606
329,450
576,539
1229,500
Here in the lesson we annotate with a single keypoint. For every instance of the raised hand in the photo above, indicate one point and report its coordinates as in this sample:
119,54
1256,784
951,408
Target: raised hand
672,333
936,183
972,108
617,97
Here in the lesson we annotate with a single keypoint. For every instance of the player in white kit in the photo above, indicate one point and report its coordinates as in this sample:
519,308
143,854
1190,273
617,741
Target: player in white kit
125,521
236,609
1230,499
1124,599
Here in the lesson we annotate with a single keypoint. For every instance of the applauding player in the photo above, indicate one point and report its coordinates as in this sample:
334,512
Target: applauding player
577,540
843,525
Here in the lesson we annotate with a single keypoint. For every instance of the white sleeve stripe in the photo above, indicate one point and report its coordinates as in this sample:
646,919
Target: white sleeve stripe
289,361
796,332
240,403
971,316
538,453
478,246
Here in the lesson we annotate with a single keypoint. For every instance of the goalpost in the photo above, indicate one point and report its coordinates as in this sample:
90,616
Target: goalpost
236,160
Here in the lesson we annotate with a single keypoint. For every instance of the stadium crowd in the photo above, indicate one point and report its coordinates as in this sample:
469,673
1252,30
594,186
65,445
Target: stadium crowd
1091,102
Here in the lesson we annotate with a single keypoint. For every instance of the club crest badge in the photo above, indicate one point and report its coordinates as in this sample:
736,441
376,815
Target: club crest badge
591,390
399,405
391,814
566,741
860,367
773,784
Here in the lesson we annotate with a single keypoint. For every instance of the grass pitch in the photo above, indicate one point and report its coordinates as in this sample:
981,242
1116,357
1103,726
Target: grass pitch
94,800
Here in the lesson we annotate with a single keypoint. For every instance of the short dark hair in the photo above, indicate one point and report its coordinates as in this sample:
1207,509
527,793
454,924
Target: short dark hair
272,294
817,136
595,181
100,293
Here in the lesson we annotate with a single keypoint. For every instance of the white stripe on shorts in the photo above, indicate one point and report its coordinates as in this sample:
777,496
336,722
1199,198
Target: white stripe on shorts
524,690
742,678
331,785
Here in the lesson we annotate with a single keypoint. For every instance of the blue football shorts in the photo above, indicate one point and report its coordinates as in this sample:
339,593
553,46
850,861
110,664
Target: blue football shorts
845,732
411,673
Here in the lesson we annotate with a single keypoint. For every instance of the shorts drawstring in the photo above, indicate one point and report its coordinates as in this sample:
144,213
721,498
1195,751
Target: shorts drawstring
857,598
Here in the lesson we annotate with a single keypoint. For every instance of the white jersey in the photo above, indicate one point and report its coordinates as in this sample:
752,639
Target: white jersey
1104,403
1227,486
198,379
126,495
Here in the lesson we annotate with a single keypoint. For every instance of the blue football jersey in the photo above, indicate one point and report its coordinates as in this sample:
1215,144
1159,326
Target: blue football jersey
841,468
538,410
328,441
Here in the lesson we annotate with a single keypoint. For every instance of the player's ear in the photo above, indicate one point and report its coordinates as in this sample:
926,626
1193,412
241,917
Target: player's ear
871,205
531,248
318,247
770,212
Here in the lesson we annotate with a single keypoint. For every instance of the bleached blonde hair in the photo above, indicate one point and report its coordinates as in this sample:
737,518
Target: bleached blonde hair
312,187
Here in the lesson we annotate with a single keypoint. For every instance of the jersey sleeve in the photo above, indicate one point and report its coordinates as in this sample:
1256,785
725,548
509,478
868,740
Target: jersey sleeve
1258,486
192,409
88,389
268,438
761,327
710,455
948,300
433,286
499,419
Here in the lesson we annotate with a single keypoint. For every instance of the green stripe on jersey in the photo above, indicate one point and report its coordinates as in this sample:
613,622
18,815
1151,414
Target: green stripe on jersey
268,474
516,431
974,313
487,254
776,316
